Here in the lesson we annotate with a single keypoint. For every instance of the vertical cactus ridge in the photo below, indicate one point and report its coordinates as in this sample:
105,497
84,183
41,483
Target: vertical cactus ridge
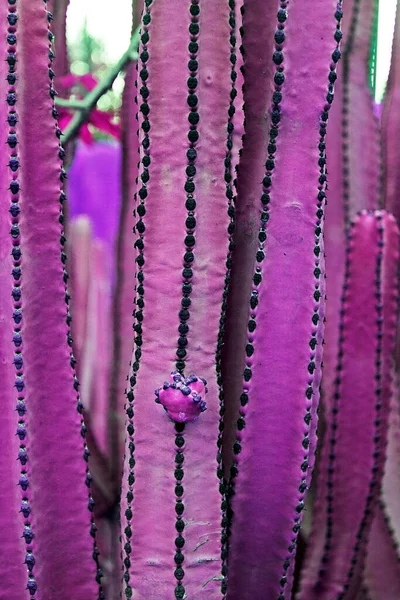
63,553
17,578
186,137
230,162
58,9
391,127
148,560
258,23
124,336
238,119
291,216
361,178
345,197
358,419
216,91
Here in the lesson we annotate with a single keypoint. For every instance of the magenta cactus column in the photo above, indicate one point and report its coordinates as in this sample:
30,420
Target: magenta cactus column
13,571
358,421
274,450
171,502
258,24
55,524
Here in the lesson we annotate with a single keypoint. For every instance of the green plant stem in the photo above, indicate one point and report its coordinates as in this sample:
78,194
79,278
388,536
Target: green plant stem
71,104
84,107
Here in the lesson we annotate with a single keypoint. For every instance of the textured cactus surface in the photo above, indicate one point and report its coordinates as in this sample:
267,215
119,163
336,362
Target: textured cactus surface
46,486
165,331
359,411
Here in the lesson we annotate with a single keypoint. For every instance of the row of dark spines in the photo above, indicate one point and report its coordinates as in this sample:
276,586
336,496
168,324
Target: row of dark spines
346,112
231,199
61,155
319,292
139,300
14,164
361,539
279,78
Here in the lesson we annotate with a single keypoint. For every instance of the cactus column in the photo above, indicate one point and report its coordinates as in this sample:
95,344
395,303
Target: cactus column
55,524
171,502
277,425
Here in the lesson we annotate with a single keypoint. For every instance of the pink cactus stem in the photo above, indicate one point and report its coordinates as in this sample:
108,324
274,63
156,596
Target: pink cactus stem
357,426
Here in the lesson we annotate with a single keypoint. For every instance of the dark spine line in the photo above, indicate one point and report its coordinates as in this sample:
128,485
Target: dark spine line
231,214
191,155
139,300
61,154
379,433
279,79
179,573
346,113
14,164
187,272
321,201
334,419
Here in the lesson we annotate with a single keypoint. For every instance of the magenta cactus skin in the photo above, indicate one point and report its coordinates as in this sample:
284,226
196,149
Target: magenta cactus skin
13,573
58,8
358,422
353,178
262,550
258,23
382,566
184,135
55,525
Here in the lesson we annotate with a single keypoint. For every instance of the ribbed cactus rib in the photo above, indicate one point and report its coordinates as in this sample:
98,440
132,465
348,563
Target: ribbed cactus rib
14,499
258,23
124,293
60,521
391,127
352,126
58,9
172,536
285,326
359,409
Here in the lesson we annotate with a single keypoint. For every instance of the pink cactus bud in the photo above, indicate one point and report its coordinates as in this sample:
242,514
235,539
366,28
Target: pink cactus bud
183,399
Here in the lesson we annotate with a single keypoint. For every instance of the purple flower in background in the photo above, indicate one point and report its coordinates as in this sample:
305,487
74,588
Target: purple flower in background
95,188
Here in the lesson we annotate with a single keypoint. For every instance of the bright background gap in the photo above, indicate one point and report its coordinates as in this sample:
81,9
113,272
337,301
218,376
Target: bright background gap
112,27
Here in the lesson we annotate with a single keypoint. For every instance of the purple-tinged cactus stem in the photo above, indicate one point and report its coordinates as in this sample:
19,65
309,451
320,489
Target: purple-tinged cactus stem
359,409
282,371
14,505
184,195
60,522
